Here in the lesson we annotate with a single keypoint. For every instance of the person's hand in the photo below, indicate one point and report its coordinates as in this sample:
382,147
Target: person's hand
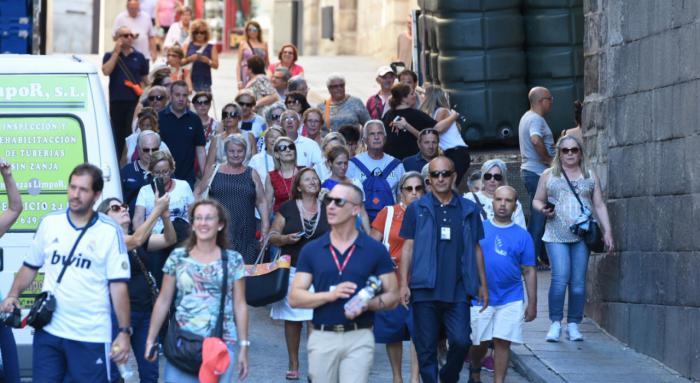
121,347
241,85
5,168
147,356
9,304
162,203
530,312
398,125
405,295
117,47
483,298
343,290
609,243
292,238
548,212
351,315
242,363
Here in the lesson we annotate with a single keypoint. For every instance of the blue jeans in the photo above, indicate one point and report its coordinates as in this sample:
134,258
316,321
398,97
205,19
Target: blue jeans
569,263
537,220
140,321
10,361
428,317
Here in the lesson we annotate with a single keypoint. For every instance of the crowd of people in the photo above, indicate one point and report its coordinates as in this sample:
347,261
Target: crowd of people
352,191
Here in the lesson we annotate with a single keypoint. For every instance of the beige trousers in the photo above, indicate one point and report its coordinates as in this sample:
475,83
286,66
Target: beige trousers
344,357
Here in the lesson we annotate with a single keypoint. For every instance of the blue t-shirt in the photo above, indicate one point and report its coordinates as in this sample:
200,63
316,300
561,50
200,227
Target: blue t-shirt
448,284
182,135
137,64
506,249
369,258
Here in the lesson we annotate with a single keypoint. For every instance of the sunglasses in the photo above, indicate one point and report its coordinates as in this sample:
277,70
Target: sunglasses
199,33
158,98
336,86
275,116
149,150
201,102
284,148
118,208
229,115
410,189
428,131
248,104
497,177
292,102
129,35
252,29
573,150
441,173
340,202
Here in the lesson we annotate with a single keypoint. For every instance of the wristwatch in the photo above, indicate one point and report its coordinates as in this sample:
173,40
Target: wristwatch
244,343
129,330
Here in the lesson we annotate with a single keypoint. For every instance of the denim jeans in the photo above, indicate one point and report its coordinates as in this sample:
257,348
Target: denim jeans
140,321
10,360
536,221
428,318
569,263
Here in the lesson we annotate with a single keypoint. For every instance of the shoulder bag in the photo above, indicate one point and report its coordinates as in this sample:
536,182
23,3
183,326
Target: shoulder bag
387,225
150,280
589,229
484,216
184,348
205,193
45,303
267,283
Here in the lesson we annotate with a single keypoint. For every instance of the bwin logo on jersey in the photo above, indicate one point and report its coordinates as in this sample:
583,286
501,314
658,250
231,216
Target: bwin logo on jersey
79,261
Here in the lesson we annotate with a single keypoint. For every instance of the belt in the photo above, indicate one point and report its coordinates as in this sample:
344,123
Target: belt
340,327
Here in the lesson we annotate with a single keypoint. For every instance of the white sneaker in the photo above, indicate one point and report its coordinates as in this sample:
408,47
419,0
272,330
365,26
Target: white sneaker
573,332
554,332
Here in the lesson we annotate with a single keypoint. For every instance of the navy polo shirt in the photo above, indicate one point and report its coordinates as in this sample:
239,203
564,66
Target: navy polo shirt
137,64
182,135
448,284
415,163
369,258
133,177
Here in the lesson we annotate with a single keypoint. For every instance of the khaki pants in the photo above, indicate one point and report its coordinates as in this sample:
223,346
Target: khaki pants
340,357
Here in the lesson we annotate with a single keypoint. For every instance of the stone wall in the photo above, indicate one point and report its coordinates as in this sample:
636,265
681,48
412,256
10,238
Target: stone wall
641,123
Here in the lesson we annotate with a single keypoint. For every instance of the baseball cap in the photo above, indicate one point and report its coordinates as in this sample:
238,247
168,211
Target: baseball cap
384,70
215,360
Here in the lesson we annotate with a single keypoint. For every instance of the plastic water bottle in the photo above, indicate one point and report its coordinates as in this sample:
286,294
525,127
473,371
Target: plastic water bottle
354,306
125,371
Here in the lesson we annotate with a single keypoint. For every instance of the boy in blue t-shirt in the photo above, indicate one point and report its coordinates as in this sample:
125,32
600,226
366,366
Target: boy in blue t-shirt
508,254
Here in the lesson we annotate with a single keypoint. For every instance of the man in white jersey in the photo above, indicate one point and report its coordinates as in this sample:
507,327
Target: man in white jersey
75,345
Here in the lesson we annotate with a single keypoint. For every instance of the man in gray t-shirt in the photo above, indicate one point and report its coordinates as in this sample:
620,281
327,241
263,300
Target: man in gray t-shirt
537,151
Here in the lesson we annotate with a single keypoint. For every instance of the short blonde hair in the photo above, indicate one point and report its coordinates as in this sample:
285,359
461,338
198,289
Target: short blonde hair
161,156
198,25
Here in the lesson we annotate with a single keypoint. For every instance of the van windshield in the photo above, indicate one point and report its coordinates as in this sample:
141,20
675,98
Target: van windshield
43,150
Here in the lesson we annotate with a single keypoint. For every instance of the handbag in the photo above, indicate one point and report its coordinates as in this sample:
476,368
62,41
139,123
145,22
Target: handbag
267,283
205,192
150,280
184,348
591,233
45,303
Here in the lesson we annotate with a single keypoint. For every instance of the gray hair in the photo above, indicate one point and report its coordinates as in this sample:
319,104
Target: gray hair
295,83
498,163
146,133
237,139
276,106
334,77
424,172
365,128
285,72
407,176
236,108
290,113
475,176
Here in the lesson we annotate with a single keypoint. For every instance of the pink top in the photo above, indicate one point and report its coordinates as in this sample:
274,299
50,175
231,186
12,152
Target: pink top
166,12
295,70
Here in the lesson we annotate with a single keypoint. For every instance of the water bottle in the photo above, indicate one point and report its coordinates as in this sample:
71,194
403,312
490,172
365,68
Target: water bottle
354,306
125,371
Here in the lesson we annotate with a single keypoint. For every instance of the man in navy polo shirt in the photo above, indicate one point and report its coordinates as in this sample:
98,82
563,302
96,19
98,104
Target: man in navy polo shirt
441,271
428,141
124,63
338,265
135,174
181,129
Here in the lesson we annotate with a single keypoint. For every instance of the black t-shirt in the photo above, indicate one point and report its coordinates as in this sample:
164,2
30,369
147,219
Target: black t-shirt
292,224
139,292
404,144
182,135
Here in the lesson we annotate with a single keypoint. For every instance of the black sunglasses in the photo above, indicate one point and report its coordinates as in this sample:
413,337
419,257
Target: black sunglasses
497,177
149,150
443,173
292,101
284,148
417,188
275,116
154,98
248,104
340,202
201,102
118,208
127,35
225,114
573,150
199,32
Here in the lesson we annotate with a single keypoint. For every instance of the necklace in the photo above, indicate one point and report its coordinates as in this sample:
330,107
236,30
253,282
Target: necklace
309,225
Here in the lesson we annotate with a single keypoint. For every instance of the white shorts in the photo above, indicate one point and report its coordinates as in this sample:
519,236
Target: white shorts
501,322
281,310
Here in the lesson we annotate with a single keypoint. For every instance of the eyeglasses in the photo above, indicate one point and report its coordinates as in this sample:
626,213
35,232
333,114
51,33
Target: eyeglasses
550,98
248,105
441,173
284,148
118,208
497,177
129,35
199,32
573,150
340,202
336,86
226,114
158,98
291,101
161,173
290,118
252,29
410,189
201,102
149,150
313,121
287,53
275,116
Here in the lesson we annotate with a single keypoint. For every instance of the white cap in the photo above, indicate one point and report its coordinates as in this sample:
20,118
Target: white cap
384,70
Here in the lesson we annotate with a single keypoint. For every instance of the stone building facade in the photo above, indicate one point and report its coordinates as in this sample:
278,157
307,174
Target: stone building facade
642,127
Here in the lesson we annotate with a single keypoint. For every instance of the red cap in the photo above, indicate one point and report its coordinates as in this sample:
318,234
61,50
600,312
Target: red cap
215,360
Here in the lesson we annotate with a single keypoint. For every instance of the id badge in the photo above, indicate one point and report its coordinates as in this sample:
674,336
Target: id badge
445,233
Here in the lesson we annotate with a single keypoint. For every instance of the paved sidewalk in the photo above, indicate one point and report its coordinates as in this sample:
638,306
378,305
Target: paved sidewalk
599,358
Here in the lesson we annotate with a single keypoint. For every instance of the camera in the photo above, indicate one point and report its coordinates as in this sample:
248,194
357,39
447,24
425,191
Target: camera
12,319
581,226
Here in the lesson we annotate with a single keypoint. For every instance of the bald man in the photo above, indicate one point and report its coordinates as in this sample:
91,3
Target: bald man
508,253
537,151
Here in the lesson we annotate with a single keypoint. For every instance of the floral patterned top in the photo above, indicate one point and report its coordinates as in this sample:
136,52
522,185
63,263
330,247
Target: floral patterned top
199,292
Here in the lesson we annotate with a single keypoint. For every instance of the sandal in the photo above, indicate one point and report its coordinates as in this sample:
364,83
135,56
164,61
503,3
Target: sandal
473,371
292,375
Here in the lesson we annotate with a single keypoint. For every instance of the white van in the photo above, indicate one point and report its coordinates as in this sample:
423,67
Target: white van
53,116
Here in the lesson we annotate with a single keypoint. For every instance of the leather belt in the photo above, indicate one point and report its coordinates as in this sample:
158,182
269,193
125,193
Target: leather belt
340,327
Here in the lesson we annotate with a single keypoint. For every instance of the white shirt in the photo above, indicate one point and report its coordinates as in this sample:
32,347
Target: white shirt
380,164
140,24
450,138
487,203
83,311
181,198
176,34
324,172
308,152
263,163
